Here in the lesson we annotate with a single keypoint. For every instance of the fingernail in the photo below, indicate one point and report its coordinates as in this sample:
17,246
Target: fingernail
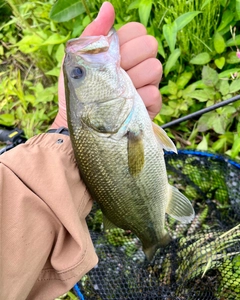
101,8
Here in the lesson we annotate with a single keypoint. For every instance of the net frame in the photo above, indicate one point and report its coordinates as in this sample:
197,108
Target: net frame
202,261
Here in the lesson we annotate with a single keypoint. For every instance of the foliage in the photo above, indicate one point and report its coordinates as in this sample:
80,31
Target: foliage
198,42
26,90
202,49
32,49
198,46
233,271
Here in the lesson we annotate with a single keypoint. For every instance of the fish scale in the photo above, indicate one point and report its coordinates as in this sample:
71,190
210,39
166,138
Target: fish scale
119,151
105,182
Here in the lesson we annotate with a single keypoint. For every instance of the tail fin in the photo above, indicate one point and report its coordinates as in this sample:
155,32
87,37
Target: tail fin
150,251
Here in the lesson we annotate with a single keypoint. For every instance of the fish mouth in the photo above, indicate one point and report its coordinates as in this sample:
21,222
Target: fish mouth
95,50
95,45
81,46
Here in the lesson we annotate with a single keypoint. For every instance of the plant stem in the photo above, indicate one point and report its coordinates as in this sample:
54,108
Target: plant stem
87,9
22,20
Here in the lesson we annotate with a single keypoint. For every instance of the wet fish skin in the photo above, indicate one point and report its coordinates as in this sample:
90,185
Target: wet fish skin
119,151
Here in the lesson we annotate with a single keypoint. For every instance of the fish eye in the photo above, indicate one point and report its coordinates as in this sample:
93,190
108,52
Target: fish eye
77,73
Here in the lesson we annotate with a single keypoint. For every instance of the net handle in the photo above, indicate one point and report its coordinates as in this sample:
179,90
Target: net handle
201,112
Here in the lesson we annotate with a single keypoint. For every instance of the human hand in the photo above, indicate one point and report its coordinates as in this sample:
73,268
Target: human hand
138,58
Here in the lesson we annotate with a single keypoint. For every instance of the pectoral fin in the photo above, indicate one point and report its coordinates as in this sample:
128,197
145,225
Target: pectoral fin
135,153
179,207
163,139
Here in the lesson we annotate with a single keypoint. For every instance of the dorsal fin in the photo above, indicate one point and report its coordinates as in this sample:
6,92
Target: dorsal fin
163,139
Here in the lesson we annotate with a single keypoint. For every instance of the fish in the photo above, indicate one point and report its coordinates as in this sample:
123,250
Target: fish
118,149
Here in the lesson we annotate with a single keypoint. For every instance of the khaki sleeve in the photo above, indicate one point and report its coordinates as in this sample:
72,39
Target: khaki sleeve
45,243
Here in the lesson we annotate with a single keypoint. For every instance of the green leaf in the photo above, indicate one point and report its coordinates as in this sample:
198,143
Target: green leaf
218,125
6,119
86,21
238,128
220,62
50,49
59,53
211,92
200,95
219,43
55,39
183,106
54,72
219,143
227,18
190,88
224,87
77,27
223,2
206,121
205,3
63,10
201,59
30,43
232,58
164,90
166,110
203,145
227,111
228,73
171,61
160,47
186,18
183,79
226,97
170,35
1,50
172,87
209,76
233,41
14,20
144,11
237,12
235,86
236,146
173,104
134,5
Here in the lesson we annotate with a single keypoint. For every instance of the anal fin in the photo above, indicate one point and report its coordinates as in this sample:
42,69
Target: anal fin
179,207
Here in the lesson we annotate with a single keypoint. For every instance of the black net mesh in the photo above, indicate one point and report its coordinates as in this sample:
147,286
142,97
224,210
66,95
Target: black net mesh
202,261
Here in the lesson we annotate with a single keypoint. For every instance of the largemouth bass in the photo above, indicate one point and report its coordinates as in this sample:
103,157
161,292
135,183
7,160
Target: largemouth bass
118,149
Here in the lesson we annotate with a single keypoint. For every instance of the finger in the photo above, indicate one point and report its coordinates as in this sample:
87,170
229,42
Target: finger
152,99
130,31
147,72
103,23
137,50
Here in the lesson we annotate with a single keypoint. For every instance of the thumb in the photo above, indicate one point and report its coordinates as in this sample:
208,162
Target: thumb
103,23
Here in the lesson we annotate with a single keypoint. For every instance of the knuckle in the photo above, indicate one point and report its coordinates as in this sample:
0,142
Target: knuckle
156,70
152,45
140,28
156,96
158,67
